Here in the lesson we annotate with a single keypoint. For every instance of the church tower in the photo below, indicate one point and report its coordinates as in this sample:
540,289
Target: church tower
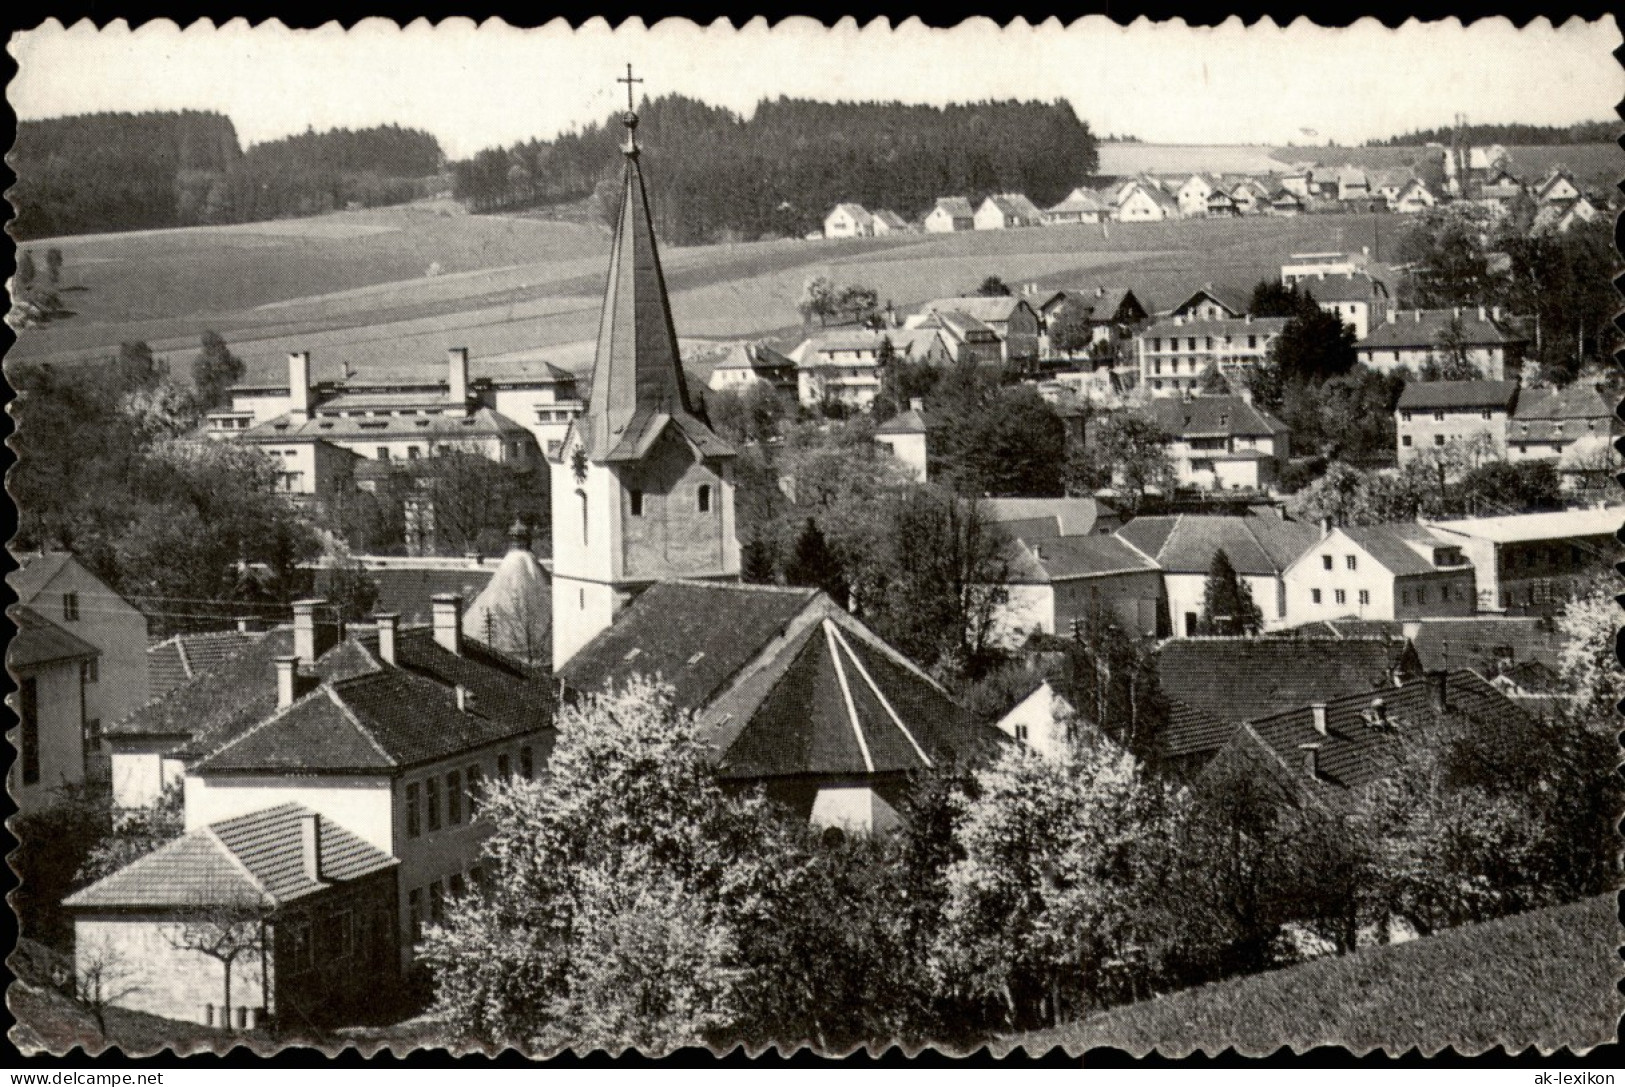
643,488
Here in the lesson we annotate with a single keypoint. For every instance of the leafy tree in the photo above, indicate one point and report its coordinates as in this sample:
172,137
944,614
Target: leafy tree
1111,678
611,916
215,370
1449,245
1070,330
1497,487
857,303
817,300
993,287
997,441
814,565
1588,662
1056,884
135,833
1313,347
135,367
1131,453
1227,603
1449,360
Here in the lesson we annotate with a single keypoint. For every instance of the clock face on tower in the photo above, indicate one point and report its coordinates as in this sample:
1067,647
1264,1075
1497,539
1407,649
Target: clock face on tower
578,463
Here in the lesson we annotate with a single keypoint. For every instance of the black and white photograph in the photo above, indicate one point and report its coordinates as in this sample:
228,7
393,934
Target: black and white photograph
825,539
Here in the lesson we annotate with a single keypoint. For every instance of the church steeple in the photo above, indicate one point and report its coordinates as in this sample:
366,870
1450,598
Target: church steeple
637,377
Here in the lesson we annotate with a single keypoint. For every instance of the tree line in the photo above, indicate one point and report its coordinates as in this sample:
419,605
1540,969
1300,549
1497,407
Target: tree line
134,171
723,177
1509,135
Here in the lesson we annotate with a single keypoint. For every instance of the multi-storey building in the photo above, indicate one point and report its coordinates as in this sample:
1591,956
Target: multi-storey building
1529,563
1222,442
1435,414
1175,353
1398,571
1411,339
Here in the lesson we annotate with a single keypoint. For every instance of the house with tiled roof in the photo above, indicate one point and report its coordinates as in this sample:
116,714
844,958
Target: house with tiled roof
1413,338
408,584
1435,414
1557,187
181,658
308,905
1250,195
1287,203
1143,201
1487,644
950,214
393,744
889,222
1352,183
1183,546
1043,719
1397,571
791,692
843,365
1214,685
1326,751
1560,216
1359,298
1530,563
1039,518
1110,313
1546,423
1221,442
48,664
1209,303
1012,319
1413,197
1175,353
1081,205
849,221
63,591
904,438
1007,211
1055,581
1192,195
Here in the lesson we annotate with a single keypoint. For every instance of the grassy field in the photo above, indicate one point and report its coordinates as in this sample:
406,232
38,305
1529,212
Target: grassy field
1545,979
351,287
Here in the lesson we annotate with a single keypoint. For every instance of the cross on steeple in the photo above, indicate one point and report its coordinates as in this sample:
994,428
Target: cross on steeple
628,80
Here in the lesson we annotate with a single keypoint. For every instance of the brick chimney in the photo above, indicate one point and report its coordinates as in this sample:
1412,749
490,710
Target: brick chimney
299,385
1318,709
287,681
457,376
448,622
311,637
310,845
1311,760
389,628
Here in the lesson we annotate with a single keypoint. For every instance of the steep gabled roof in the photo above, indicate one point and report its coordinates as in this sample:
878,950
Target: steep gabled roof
1063,558
1214,416
1186,543
34,571
1395,546
181,658
253,861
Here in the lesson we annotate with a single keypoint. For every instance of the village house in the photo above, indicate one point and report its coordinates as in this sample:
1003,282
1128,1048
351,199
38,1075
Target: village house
1413,338
308,906
1561,216
1326,751
1500,189
408,584
336,420
1386,183
1221,442
1042,719
49,666
849,221
842,366
1007,211
1176,353
1183,546
1298,180
903,437
1529,563
1055,581
1557,187
1192,196
754,364
1434,414
1011,318
1574,425
1111,313
1217,684
1285,202
60,590
1398,571
1250,195
950,214
1352,184
1221,204
1359,298
1145,202
1413,197
956,337
1080,206
1207,303
1039,518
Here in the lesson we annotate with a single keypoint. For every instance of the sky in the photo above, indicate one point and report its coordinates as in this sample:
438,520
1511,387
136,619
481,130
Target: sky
476,86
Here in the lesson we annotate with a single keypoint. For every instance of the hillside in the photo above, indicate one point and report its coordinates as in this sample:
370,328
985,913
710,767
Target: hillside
1545,978
352,286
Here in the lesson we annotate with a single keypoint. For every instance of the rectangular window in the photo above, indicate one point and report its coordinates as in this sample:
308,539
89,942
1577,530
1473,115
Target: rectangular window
1438,439
415,909
1325,562
1422,595
504,768
1314,596
411,452
414,816
1350,562
705,498
1252,341
437,902
383,452
1405,416
91,672
1340,596
459,886
454,798
473,778
1438,417
28,712
1190,343
635,498
527,764
1156,344
1404,596
1405,441
431,801
1365,596
70,606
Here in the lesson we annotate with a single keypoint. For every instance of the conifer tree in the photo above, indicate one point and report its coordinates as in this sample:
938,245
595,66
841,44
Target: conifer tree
1227,604
815,565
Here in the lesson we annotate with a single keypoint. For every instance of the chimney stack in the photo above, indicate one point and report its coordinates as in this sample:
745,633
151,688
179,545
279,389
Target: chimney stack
462,699
247,624
287,680
1319,710
1482,316
311,638
299,385
448,622
310,845
389,628
916,403
1311,760
457,379
1495,312
1325,527
1439,683
1417,318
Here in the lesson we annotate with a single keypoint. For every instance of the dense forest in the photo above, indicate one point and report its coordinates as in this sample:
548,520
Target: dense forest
1510,135
721,177
133,171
